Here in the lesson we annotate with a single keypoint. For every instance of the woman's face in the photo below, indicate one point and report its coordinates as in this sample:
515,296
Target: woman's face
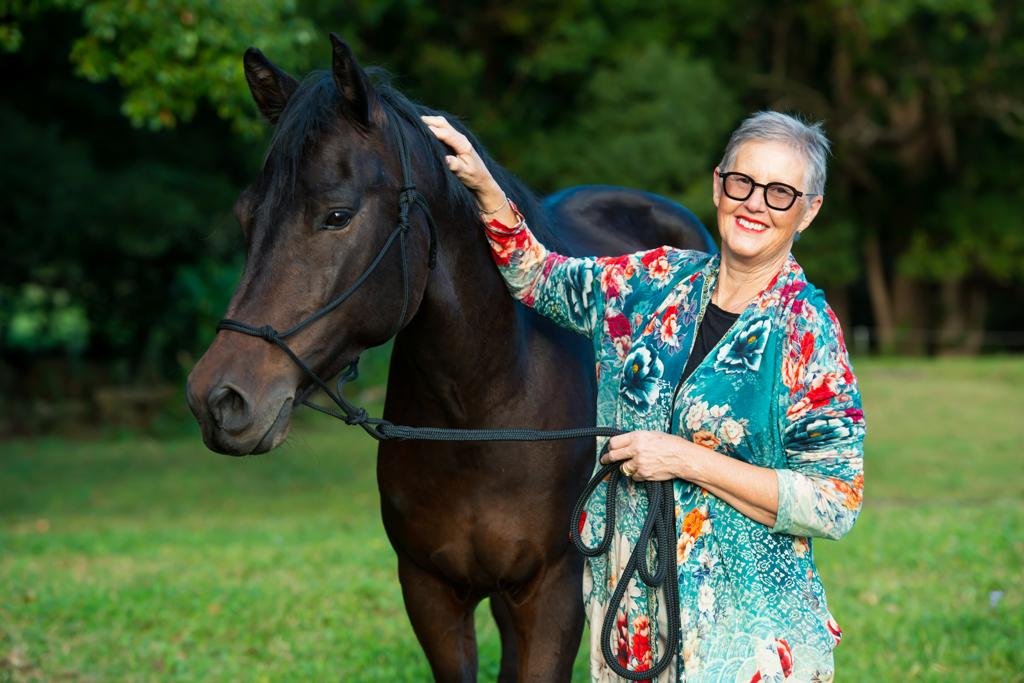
751,231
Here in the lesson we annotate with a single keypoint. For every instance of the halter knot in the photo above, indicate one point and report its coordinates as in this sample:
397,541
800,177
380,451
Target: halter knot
266,332
358,417
407,195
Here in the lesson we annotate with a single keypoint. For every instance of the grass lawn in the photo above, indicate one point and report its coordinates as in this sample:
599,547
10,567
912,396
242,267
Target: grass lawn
129,558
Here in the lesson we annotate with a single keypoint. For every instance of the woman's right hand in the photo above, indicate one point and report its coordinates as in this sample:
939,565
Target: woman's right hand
466,164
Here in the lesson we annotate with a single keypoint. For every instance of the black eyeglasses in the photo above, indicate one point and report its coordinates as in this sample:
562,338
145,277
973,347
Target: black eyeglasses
778,196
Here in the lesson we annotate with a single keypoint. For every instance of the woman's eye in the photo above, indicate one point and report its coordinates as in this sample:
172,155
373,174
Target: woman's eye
336,219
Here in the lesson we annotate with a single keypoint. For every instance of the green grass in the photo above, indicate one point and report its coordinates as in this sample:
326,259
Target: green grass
132,559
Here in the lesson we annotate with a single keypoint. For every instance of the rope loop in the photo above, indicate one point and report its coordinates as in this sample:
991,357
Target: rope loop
357,417
266,332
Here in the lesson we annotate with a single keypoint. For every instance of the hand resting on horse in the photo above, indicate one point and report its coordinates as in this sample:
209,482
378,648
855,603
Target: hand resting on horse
645,455
470,169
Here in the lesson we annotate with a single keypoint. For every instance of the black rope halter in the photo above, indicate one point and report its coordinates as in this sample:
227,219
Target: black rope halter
659,525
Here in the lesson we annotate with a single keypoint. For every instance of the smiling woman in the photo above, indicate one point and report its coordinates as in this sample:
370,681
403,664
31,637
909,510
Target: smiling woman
732,374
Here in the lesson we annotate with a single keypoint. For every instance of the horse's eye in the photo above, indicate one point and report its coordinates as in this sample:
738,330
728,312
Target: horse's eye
336,219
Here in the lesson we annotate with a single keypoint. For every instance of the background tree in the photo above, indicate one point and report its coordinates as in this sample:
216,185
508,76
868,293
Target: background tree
131,131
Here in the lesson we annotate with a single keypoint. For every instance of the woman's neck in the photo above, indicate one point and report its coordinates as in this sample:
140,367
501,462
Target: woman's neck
740,281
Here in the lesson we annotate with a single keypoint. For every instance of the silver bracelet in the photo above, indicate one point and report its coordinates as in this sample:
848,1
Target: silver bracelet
500,207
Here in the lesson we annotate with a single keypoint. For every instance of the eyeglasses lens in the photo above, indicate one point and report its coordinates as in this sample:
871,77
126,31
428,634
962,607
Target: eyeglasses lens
779,197
738,186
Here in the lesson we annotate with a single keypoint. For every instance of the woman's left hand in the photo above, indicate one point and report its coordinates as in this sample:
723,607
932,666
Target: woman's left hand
652,456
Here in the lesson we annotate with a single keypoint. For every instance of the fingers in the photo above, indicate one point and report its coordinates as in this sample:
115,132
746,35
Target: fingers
447,134
616,455
456,165
620,441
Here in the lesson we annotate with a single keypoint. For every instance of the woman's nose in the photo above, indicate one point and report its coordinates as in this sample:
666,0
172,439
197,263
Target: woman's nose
755,202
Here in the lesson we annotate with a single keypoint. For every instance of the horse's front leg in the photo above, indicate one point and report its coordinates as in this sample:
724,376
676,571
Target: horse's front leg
547,616
442,620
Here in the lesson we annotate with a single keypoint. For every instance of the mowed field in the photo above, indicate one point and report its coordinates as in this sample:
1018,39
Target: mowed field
130,558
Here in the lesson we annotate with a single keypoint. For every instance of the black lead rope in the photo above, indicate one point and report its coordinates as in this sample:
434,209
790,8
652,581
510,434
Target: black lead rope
658,531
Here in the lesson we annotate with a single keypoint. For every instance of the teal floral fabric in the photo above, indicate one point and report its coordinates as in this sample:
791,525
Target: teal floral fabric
777,391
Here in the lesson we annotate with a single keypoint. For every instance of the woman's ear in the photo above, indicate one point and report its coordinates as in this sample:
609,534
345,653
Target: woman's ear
716,187
812,211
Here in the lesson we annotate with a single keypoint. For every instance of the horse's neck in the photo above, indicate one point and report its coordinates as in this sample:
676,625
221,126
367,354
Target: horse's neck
465,346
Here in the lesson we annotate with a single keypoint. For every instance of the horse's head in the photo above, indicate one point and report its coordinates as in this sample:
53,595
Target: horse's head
322,208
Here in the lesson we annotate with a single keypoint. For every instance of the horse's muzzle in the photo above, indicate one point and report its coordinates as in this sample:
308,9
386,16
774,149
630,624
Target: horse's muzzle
233,423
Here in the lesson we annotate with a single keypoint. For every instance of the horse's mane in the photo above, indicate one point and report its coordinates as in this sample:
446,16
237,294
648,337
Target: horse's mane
314,109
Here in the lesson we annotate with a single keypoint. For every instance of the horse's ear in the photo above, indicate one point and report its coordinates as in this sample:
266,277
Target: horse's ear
270,87
351,81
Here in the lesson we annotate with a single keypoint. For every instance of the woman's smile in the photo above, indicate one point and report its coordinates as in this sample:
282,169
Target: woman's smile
750,225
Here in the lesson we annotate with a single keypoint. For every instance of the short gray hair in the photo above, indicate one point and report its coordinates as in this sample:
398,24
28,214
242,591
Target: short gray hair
807,138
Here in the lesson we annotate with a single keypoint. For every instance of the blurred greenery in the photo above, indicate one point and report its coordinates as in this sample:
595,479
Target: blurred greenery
134,558
131,132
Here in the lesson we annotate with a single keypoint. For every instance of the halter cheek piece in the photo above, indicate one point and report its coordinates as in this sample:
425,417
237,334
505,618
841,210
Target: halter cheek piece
659,525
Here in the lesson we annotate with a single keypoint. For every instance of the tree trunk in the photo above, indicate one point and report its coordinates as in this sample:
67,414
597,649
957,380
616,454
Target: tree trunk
951,330
910,333
977,311
878,291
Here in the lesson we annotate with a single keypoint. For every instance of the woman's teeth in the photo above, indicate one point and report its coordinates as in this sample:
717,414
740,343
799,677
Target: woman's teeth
751,225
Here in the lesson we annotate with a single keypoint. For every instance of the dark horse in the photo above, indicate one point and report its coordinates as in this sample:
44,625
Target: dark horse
466,520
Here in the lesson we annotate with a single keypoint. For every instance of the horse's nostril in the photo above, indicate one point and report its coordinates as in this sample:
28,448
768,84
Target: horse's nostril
230,409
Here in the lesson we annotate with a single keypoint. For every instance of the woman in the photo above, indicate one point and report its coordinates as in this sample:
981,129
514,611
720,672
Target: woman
732,373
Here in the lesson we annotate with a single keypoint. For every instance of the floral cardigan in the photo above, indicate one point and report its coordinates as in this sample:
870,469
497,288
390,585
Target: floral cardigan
777,391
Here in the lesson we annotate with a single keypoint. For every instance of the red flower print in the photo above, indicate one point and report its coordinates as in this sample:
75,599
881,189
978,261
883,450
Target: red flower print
848,377
622,646
806,347
583,521
550,262
618,326
652,256
656,263
785,657
641,644
834,629
793,368
790,290
613,281
821,394
670,327
613,261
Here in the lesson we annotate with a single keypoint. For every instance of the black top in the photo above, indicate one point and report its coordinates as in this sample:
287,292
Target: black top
713,327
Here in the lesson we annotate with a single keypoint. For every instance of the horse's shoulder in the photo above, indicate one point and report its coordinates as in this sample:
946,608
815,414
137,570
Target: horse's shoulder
606,220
